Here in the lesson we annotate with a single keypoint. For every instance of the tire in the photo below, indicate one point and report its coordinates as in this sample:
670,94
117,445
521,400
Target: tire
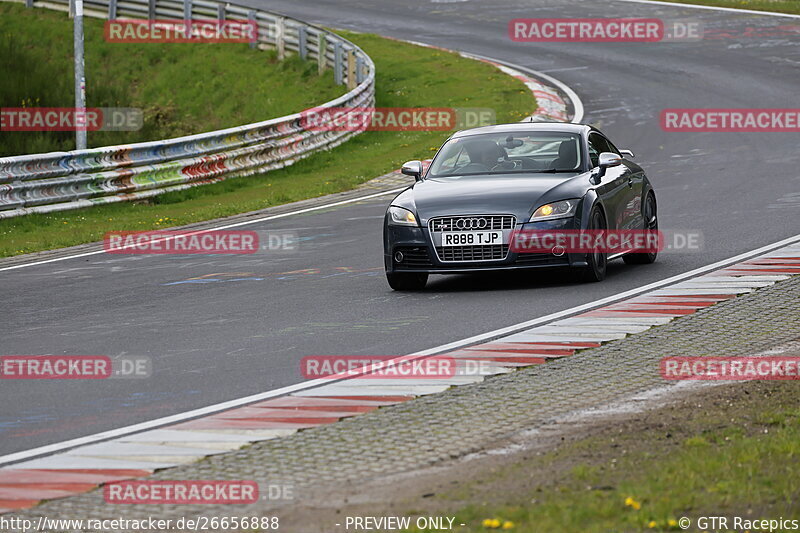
406,281
598,261
650,223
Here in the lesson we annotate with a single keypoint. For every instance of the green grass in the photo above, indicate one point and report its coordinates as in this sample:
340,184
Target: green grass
181,88
778,6
407,76
743,463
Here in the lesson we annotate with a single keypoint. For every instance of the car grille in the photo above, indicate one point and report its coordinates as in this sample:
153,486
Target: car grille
493,222
495,252
413,257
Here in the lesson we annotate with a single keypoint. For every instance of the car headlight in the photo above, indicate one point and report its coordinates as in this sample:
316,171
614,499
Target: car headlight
401,217
562,209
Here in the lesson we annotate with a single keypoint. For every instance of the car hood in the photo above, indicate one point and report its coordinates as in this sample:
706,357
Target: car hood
495,194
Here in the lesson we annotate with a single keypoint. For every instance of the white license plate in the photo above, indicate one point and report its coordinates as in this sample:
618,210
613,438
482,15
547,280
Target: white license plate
472,238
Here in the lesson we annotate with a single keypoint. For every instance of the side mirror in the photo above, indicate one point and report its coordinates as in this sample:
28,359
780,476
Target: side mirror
412,168
608,159
627,153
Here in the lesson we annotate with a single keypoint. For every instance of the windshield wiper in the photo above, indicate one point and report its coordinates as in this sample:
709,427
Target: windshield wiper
554,170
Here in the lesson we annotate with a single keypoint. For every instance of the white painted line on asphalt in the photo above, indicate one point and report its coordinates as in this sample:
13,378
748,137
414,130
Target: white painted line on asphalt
609,299
565,69
303,388
577,103
715,8
223,227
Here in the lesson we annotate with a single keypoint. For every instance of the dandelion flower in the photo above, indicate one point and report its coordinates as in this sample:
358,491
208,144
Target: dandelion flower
630,502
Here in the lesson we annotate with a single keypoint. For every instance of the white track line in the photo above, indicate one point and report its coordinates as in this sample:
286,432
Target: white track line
715,8
227,226
577,103
180,417
610,299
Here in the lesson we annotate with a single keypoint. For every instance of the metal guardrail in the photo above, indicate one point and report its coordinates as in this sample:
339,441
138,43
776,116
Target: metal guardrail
58,181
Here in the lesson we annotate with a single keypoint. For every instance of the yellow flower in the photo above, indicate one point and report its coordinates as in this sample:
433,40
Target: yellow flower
508,524
630,502
672,522
492,523
652,524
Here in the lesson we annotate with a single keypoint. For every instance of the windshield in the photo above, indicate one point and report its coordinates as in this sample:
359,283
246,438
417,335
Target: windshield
503,153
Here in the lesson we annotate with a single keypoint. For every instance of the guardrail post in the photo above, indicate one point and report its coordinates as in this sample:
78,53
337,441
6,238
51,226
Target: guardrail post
251,16
337,63
301,41
220,11
112,9
151,9
351,69
28,3
322,52
359,70
280,44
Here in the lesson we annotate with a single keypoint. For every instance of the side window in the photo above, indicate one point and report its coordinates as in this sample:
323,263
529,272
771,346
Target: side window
594,148
611,147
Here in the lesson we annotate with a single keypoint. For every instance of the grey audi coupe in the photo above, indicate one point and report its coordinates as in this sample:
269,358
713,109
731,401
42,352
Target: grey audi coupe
488,183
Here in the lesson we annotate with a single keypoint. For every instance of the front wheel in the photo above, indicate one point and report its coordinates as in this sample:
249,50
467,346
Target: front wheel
407,281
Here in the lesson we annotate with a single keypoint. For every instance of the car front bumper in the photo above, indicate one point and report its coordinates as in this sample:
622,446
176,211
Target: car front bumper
419,254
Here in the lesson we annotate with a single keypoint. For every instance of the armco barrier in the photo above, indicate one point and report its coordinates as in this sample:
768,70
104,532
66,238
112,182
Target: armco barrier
58,181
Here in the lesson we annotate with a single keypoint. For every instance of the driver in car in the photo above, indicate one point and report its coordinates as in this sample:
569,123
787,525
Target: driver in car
486,153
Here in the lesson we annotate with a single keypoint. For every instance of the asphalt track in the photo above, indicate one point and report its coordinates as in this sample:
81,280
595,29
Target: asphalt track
212,341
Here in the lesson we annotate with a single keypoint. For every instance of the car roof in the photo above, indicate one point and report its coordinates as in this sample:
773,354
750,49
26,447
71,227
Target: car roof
565,127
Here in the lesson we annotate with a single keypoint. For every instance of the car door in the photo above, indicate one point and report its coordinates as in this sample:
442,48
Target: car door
613,188
632,209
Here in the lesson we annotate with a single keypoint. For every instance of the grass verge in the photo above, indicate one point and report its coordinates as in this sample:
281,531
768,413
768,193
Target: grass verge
180,88
730,453
408,76
778,6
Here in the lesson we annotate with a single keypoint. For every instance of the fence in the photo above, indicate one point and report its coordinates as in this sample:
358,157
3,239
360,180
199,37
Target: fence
58,181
